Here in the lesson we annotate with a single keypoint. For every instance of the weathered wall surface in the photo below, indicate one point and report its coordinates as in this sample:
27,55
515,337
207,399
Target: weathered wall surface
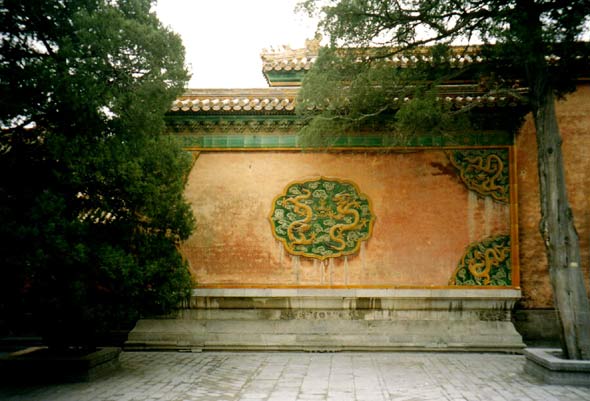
574,122
425,219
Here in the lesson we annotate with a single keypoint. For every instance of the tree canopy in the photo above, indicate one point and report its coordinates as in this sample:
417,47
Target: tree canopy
516,40
524,48
91,196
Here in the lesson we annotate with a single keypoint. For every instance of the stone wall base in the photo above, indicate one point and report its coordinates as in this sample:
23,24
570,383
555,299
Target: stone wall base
336,320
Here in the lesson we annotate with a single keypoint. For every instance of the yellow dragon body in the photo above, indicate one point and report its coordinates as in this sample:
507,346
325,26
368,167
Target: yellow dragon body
344,206
482,262
487,183
297,229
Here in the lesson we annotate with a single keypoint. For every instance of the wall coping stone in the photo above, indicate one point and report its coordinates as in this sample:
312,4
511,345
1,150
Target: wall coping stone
400,293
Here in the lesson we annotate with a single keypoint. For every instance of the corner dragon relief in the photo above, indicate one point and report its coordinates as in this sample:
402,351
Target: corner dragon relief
485,263
484,171
322,218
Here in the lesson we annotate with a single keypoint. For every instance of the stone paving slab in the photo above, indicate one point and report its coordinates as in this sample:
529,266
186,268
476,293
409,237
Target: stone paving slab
293,376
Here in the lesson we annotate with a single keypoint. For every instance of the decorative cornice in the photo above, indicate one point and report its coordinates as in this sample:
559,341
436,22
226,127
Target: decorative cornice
233,124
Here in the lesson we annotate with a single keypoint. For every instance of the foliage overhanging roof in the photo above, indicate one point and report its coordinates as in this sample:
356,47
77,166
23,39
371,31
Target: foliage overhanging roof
284,68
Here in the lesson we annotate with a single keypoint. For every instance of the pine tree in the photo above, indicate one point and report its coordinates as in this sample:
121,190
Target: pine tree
91,195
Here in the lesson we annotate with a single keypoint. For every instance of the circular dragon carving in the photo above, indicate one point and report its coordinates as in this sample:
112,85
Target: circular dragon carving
322,218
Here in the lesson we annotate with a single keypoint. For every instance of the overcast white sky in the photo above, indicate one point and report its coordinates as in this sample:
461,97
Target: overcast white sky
224,38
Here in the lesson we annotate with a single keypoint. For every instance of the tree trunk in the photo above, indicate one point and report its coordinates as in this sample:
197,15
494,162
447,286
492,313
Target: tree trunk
559,233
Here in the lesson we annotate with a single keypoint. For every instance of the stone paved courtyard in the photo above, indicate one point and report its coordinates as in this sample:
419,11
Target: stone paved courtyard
399,376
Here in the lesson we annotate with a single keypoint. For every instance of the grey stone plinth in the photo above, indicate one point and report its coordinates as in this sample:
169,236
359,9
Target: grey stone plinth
548,365
337,319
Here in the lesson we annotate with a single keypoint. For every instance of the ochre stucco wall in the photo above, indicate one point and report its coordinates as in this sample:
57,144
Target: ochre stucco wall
425,218
574,122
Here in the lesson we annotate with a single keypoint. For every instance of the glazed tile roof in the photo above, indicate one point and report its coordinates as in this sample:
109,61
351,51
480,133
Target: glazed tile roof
283,100
303,59
287,60
263,100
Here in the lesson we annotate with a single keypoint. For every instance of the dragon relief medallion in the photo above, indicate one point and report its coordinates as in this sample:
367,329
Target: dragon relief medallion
322,218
